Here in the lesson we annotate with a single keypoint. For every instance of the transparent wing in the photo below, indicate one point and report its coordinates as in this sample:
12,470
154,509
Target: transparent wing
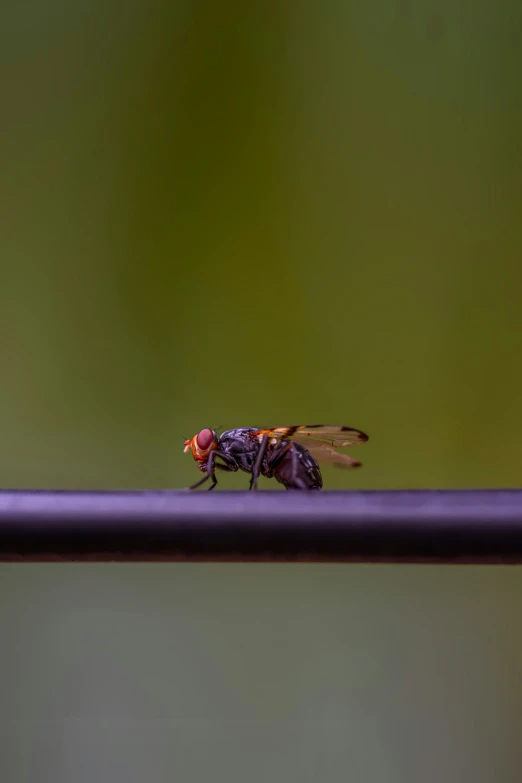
329,454
334,435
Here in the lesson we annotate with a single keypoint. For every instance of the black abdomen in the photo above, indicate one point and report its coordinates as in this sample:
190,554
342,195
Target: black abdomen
293,466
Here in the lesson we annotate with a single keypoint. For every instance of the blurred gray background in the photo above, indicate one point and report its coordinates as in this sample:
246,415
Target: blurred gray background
262,213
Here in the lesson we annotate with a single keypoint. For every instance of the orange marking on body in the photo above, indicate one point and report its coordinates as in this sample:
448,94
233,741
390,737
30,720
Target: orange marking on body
199,454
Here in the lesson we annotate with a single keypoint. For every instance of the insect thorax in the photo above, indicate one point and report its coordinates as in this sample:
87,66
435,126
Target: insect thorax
237,433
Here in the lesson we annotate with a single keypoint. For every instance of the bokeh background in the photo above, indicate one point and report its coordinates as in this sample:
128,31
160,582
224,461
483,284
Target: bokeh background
260,213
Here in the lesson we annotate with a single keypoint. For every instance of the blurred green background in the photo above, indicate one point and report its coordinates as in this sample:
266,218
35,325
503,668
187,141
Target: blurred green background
260,213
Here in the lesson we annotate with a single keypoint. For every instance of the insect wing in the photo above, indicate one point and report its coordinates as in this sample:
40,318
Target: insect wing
334,435
322,440
328,454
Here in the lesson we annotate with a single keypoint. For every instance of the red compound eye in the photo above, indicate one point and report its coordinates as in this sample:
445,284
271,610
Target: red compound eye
205,438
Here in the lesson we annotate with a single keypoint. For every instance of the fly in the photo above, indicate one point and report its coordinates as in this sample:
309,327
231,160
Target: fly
287,454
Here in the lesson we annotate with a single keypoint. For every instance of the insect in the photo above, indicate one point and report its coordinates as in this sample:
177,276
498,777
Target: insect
283,453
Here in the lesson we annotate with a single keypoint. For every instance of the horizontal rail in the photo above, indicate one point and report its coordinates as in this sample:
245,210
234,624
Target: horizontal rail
440,526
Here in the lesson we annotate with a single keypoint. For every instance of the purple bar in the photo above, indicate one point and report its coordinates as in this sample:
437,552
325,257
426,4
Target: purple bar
438,526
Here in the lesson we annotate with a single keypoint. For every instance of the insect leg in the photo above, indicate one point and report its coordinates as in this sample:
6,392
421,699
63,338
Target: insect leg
279,457
230,465
214,482
201,481
299,483
259,461
294,465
